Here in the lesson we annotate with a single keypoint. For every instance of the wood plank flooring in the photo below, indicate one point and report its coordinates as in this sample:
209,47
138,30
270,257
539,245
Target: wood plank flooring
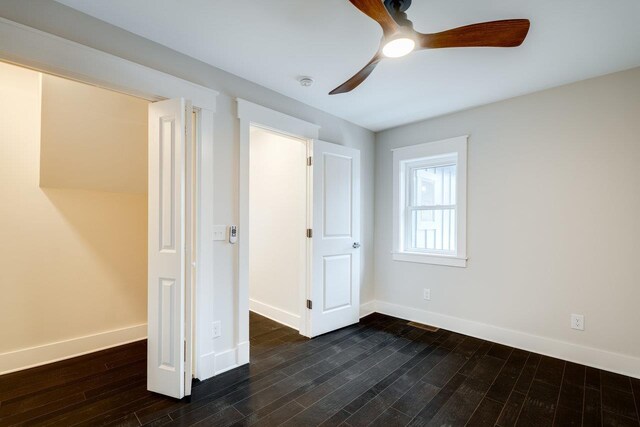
381,372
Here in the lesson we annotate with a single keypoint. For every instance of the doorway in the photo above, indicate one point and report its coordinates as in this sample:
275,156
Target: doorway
78,183
43,52
278,203
329,296
73,158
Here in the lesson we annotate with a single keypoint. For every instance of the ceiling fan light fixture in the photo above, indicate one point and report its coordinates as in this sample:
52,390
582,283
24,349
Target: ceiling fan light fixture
399,47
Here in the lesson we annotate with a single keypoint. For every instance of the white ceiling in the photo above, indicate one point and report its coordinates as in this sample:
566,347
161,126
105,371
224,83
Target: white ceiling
272,42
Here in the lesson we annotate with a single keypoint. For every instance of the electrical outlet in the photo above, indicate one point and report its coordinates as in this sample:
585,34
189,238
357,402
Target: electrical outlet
426,294
577,322
217,329
219,232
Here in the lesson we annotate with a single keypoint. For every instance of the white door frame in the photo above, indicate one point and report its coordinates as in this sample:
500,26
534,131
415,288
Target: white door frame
251,114
27,47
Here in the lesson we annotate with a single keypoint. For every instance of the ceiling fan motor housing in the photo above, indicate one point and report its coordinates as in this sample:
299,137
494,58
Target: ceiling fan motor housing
394,6
397,9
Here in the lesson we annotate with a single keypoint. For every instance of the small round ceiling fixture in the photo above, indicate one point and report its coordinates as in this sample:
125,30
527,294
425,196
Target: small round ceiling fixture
305,81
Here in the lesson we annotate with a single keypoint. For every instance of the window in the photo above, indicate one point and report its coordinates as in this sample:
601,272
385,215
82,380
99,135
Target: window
430,203
431,207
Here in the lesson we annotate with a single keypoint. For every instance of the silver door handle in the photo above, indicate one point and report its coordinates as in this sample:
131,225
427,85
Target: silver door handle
356,245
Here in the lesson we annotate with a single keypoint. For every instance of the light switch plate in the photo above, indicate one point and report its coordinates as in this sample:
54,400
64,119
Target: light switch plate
219,232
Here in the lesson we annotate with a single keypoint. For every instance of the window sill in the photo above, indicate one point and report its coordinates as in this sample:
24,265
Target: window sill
449,261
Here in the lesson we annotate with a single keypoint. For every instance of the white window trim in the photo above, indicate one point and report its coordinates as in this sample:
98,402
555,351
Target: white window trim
401,157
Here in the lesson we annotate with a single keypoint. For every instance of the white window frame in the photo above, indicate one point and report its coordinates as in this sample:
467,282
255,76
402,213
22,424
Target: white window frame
445,152
409,167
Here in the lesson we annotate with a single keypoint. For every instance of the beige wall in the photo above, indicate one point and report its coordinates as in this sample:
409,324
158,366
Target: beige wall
553,202
74,261
278,220
92,138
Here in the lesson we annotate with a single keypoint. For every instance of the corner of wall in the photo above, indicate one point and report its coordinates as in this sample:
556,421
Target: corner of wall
367,308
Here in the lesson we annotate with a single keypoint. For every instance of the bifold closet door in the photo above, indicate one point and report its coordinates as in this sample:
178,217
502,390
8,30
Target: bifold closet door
169,343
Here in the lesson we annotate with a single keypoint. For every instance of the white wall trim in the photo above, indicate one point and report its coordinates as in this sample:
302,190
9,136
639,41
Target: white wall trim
244,349
367,308
48,53
449,261
230,359
276,314
206,366
597,358
53,352
204,292
403,159
276,121
226,361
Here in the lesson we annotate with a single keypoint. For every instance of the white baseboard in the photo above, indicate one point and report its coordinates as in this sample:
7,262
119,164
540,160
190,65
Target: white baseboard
53,352
243,353
229,359
597,358
367,308
226,361
276,314
206,367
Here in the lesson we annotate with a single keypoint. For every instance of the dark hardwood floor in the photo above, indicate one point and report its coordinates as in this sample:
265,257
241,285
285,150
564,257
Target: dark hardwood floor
381,372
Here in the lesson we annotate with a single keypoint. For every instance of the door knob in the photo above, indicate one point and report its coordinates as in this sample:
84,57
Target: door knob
356,245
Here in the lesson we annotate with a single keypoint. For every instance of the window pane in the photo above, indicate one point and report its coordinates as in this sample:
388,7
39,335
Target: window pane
434,230
434,186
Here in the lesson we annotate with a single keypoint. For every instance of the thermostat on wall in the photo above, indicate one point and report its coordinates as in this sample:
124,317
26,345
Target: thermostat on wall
233,234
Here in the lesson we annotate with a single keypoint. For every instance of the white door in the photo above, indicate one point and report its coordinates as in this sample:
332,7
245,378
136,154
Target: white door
335,281
168,340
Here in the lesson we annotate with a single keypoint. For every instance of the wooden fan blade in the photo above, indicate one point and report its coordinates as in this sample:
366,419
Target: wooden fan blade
360,76
507,33
376,10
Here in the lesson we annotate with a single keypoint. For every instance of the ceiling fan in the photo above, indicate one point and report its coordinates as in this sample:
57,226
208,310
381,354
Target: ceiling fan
400,39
